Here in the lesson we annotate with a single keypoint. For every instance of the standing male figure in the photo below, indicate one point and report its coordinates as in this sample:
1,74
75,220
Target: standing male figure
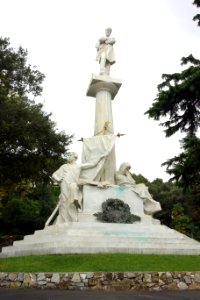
68,176
105,52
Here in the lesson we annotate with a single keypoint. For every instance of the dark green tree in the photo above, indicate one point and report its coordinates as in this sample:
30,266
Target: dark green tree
177,106
197,16
179,99
139,178
168,194
30,145
185,168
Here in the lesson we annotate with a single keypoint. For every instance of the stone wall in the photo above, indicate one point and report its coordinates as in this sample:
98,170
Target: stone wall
152,281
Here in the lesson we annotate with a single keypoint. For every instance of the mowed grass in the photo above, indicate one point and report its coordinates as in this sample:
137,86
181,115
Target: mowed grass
100,262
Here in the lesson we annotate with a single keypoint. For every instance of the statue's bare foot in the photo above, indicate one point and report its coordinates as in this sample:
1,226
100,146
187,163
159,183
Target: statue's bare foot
103,184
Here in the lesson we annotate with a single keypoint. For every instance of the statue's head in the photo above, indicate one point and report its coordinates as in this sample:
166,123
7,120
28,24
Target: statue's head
71,157
125,166
108,31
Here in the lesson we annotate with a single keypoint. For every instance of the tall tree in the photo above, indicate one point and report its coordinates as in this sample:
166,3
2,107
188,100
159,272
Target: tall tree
30,145
185,168
178,105
179,99
197,16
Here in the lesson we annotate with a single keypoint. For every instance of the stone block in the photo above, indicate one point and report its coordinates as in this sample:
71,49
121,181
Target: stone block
89,275
131,275
120,276
194,286
109,276
29,280
3,275
12,276
182,286
50,285
93,281
147,278
41,277
121,286
20,277
55,278
172,286
76,278
197,277
41,282
187,279
83,276
15,284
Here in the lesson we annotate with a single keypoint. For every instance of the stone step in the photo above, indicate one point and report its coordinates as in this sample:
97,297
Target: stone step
137,226
127,237
104,233
104,238
61,248
103,242
120,230
128,242
124,228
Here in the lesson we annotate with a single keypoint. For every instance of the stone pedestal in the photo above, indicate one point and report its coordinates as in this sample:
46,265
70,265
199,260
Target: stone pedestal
90,237
93,197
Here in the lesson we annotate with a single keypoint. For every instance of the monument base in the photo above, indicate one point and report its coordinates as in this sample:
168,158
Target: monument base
93,197
90,237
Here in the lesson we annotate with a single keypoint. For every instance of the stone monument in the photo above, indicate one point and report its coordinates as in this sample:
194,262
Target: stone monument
73,226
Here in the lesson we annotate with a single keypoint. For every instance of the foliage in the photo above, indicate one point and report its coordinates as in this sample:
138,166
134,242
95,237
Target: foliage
183,223
19,217
197,16
139,178
47,198
171,197
185,167
116,211
168,194
17,78
30,146
119,262
23,215
179,99
178,102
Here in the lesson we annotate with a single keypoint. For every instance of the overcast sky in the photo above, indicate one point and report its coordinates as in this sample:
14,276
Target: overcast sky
151,37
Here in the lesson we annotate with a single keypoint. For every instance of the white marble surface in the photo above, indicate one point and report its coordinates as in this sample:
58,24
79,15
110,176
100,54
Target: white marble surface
93,197
90,237
104,88
100,145
105,52
103,82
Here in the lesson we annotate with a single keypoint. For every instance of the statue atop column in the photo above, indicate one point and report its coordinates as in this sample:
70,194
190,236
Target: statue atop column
105,52
96,179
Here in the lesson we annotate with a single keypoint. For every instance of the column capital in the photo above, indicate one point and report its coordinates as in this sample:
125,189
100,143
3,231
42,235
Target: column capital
103,83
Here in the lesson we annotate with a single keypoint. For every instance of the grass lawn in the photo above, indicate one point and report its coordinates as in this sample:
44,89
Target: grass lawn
100,262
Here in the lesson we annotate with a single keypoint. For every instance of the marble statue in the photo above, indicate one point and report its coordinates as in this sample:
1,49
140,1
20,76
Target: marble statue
70,196
103,146
105,52
124,178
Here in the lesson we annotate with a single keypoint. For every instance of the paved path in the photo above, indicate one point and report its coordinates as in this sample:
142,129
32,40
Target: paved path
33,294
